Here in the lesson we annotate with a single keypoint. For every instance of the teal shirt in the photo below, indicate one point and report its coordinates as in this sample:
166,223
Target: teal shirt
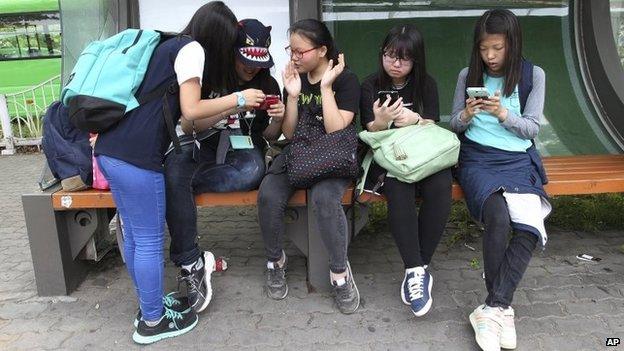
485,129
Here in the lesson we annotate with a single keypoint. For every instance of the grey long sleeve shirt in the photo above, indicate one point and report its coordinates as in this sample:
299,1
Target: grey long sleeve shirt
525,126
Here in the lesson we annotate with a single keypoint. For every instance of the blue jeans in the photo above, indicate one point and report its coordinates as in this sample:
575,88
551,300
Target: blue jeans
242,171
140,198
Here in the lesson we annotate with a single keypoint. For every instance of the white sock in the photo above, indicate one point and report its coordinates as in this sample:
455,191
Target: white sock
341,281
153,323
280,263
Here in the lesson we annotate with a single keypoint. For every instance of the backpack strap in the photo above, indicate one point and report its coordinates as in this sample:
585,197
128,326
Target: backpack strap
526,82
158,92
366,163
173,89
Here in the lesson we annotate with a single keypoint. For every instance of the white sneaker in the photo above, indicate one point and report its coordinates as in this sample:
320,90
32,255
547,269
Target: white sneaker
487,324
508,334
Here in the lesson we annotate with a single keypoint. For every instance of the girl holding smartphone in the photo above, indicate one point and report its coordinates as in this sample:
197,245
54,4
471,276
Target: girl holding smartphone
500,170
402,69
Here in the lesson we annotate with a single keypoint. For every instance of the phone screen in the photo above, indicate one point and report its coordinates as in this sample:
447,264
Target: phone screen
383,96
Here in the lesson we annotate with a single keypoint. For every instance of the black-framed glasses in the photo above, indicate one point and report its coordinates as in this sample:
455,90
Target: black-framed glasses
298,54
391,58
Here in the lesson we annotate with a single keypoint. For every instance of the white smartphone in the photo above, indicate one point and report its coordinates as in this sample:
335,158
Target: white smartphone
478,92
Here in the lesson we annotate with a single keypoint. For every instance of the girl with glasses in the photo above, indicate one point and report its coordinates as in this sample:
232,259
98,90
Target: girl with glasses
314,80
416,233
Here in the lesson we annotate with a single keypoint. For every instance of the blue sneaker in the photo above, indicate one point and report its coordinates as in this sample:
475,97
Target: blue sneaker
416,290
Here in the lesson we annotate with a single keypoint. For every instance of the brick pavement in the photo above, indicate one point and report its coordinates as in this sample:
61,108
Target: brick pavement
562,303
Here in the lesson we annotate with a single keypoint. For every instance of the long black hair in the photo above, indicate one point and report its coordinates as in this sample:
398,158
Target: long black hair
214,27
498,21
316,32
405,41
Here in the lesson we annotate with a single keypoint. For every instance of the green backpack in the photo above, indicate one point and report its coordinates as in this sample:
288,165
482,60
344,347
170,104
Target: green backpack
410,153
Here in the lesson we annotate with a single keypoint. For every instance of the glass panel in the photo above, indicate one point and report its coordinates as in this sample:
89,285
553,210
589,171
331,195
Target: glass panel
83,22
617,23
568,126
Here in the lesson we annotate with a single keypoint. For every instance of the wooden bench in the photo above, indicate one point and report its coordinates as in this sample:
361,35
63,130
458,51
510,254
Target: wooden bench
62,227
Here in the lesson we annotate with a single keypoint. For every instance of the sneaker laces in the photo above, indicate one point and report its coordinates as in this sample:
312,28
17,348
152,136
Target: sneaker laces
173,316
415,286
344,292
169,300
192,284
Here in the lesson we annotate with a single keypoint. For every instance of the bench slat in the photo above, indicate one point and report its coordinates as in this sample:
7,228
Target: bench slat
93,198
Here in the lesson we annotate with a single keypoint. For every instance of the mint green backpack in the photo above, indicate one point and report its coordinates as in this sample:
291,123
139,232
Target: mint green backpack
410,153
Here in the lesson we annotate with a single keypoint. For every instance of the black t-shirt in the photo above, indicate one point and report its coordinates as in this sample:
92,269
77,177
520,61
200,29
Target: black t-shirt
431,110
257,124
370,87
346,92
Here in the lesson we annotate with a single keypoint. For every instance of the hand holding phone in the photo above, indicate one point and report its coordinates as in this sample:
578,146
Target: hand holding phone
383,95
478,93
268,101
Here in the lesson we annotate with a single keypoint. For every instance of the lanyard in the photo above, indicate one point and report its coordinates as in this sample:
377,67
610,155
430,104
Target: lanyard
249,124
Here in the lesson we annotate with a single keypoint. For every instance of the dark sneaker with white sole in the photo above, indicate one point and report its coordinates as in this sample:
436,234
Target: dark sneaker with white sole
347,295
172,301
277,288
171,324
197,280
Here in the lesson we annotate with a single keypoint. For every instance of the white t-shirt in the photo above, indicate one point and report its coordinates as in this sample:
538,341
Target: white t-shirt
190,62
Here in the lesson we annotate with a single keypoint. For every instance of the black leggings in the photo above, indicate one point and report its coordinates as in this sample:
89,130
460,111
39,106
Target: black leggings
417,234
505,260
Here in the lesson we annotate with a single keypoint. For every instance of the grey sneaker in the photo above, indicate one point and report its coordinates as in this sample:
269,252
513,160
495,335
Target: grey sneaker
347,296
198,284
277,288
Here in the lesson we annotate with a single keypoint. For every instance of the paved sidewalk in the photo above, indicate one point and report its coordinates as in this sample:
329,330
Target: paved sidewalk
562,303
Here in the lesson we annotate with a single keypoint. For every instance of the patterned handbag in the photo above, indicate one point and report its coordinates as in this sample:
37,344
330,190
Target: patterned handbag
315,155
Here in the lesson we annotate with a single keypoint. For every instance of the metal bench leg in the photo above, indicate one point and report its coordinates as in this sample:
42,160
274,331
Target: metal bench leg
58,239
56,271
318,260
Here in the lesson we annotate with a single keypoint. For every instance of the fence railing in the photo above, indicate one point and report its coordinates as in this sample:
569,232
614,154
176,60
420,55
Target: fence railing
22,113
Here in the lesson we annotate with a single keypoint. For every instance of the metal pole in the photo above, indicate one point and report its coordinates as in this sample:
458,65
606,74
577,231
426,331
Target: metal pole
7,132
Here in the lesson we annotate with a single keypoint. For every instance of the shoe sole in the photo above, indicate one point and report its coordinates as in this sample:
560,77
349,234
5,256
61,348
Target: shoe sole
508,347
429,303
209,262
357,291
145,340
473,322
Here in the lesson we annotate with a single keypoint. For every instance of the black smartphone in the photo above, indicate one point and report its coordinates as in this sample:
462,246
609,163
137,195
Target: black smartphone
383,96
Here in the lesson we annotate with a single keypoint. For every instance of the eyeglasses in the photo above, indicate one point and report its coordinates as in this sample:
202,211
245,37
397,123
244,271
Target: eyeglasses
391,58
297,54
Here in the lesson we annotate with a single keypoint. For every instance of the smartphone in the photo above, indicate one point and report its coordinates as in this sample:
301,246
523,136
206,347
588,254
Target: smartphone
268,101
478,92
383,96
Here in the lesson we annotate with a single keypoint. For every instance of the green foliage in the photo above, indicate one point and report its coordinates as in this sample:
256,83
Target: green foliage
474,263
588,212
